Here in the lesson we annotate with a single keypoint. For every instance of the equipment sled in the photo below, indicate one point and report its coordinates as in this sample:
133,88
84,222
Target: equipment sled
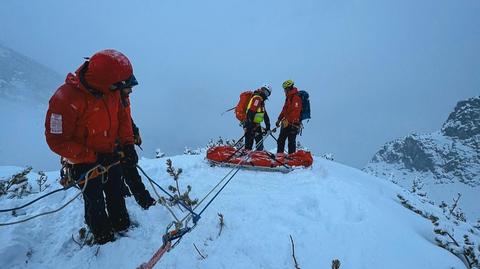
229,156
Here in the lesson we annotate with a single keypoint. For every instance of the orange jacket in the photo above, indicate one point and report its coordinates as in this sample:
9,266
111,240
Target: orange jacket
292,107
78,125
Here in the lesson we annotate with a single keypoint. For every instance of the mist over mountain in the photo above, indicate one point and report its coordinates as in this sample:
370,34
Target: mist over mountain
25,88
25,80
371,68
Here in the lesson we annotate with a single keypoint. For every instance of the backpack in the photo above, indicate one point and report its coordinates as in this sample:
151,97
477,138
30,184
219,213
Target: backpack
241,108
305,113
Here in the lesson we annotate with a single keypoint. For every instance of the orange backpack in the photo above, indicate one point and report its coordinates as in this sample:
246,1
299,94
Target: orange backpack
241,108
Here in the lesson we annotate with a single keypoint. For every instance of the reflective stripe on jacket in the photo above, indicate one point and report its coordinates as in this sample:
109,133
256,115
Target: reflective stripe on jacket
257,105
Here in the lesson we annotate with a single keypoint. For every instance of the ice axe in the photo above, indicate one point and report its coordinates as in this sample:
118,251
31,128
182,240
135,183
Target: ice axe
228,110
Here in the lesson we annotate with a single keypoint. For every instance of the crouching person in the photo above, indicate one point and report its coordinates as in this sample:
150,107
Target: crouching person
84,119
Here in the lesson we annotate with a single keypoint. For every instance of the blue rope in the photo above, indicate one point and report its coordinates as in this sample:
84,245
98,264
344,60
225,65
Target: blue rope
195,216
231,177
215,196
82,177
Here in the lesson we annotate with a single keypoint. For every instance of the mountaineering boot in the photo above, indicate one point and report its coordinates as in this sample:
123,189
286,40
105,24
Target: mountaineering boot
145,201
103,238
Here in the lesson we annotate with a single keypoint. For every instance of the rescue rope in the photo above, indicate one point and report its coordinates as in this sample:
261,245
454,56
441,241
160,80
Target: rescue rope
236,151
162,201
188,208
87,177
178,233
156,257
235,169
272,156
31,202
74,183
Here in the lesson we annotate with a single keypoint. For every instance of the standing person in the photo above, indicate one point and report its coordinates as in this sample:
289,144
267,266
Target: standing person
256,114
130,173
84,119
289,118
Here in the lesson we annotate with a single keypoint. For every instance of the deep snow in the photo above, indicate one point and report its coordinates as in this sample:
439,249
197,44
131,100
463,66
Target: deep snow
332,211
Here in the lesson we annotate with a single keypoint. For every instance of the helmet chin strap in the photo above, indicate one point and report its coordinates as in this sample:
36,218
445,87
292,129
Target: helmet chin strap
98,94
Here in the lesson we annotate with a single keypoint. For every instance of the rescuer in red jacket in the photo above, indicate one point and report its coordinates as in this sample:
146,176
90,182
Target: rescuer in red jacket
83,122
289,118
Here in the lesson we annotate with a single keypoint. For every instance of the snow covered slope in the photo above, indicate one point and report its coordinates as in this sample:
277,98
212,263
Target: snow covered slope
24,80
331,211
446,162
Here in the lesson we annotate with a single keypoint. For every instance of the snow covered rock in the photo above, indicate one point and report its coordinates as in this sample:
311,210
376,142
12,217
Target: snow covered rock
464,122
449,156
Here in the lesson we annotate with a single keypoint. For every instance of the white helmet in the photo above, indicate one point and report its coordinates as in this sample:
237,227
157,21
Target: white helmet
267,88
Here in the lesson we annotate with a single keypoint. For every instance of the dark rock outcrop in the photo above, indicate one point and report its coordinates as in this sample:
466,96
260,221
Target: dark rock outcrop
464,122
452,154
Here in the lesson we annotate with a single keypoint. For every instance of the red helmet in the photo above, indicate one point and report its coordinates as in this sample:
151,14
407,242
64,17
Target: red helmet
106,68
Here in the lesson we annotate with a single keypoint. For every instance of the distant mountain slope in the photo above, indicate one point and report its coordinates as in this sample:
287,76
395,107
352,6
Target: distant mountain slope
25,88
23,79
447,161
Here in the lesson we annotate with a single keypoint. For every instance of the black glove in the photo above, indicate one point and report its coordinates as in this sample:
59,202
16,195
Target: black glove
138,139
266,129
107,159
136,135
131,157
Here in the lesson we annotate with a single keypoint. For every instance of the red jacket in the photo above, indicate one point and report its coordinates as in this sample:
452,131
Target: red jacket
78,125
292,107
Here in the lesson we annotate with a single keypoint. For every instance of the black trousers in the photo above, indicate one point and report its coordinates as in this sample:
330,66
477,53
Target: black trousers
136,186
253,132
105,209
289,133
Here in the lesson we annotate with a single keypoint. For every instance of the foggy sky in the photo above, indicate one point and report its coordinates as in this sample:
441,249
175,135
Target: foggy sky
375,70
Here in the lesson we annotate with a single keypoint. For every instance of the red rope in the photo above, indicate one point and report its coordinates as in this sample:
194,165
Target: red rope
156,257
